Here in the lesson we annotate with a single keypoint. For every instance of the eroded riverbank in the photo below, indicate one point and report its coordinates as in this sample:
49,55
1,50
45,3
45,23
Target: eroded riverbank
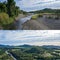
20,21
41,23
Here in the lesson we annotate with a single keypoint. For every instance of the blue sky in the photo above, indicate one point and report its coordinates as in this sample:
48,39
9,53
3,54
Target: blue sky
38,37
32,5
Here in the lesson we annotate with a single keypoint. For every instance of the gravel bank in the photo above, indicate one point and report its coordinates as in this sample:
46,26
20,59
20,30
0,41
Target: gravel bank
34,25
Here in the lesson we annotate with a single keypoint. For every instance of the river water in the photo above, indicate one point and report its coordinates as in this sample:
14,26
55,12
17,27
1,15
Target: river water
22,21
10,55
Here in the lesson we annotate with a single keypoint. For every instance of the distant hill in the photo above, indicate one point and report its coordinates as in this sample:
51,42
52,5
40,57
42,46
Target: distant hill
47,10
30,46
51,47
19,46
25,46
4,46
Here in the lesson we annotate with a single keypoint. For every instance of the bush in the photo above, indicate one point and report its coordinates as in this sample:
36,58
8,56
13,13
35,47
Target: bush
57,18
50,17
4,19
34,17
11,20
40,15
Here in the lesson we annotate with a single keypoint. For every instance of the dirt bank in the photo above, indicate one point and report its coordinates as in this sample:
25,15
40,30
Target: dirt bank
20,16
42,24
34,25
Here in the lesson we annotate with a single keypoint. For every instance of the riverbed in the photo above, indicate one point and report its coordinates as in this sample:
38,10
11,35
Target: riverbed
21,21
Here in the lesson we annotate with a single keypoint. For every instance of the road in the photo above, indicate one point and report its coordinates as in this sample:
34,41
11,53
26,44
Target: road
10,55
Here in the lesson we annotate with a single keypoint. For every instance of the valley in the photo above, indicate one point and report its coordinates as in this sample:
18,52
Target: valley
29,52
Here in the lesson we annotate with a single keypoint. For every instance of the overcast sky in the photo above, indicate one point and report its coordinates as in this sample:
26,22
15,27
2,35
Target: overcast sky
30,37
31,5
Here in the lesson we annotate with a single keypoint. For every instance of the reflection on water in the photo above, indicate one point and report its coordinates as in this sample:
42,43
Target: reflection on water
21,21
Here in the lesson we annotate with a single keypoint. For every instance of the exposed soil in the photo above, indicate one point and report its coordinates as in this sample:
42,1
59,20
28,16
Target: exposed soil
42,24
34,25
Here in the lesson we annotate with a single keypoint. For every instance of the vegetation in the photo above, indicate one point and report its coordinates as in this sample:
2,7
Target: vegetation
27,52
57,18
35,53
40,15
4,56
47,10
8,12
5,20
50,14
12,9
50,17
36,16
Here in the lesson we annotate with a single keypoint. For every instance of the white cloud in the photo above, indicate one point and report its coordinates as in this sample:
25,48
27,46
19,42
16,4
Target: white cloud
45,43
31,5
38,4
18,37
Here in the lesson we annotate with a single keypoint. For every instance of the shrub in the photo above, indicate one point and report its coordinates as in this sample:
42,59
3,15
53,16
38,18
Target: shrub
49,17
11,20
4,19
34,17
57,18
40,15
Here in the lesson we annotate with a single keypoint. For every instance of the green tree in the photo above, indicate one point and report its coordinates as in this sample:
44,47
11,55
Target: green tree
11,7
17,10
3,7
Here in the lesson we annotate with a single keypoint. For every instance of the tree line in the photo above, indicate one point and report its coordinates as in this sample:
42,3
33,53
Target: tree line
8,12
10,8
47,10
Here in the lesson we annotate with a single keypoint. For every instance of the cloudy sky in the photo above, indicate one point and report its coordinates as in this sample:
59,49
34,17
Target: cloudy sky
31,5
30,37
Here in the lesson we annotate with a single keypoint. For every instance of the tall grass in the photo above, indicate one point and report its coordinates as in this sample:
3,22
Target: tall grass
36,16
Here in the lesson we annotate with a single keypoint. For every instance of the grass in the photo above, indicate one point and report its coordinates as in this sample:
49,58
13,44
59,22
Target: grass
40,15
36,16
52,17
